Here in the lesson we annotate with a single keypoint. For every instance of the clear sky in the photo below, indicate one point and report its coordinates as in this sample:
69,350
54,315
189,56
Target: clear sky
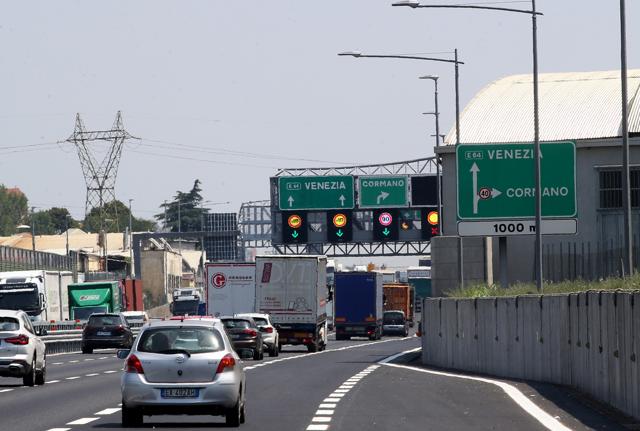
198,80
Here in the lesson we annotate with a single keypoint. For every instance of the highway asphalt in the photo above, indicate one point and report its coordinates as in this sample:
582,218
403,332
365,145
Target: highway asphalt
343,388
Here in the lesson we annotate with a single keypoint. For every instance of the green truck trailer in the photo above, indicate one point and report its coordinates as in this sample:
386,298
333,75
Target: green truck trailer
94,297
419,277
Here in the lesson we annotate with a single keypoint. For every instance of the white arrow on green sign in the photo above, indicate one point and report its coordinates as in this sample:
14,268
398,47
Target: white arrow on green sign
383,191
311,193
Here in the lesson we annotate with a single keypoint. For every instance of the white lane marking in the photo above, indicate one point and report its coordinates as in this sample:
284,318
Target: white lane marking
327,406
73,362
82,421
336,395
89,359
514,393
110,371
52,381
341,391
103,357
92,374
321,419
58,429
57,363
324,412
72,378
317,427
108,411
331,400
6,390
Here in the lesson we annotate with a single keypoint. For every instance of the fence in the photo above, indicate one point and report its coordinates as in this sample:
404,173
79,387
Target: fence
588,340
19,259
573,260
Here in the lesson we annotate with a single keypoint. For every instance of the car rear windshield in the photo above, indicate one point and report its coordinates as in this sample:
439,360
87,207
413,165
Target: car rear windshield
236,323
180,339
104,321
393,319
260,321
9,324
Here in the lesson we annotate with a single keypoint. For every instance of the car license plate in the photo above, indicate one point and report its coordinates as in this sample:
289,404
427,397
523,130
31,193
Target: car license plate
179,392
300,334
352,329
235,336
103,333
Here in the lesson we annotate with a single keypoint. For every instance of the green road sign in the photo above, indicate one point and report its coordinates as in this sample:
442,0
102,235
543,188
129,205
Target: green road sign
312,193
388,191
497,181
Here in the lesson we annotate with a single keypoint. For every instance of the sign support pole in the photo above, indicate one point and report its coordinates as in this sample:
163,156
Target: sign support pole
536,127
504,273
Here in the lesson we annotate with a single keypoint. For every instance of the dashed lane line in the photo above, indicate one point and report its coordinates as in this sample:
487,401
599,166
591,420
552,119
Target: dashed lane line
548,421
58,429
322,419
108,411
92,374
6,390
110,372
82,421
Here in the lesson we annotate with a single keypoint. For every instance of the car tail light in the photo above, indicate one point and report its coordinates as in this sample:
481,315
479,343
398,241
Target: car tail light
268,330
133,365
20,340
120,329
227,362
250,332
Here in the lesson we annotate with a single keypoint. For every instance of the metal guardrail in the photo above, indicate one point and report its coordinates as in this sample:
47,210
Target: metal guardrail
67,340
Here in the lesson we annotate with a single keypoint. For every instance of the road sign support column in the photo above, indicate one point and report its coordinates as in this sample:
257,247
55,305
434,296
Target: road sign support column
504,273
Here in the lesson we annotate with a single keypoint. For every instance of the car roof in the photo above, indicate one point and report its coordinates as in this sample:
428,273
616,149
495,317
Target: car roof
105,314
134,313
394,311
236,317
11,313
207,321
262,315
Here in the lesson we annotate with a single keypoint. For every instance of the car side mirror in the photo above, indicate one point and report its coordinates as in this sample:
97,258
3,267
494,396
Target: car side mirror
122,353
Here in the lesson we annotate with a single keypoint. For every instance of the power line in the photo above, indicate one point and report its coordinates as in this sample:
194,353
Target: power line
217,162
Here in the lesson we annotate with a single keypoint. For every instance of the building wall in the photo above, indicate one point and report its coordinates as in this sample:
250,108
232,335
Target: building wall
594,225
161,272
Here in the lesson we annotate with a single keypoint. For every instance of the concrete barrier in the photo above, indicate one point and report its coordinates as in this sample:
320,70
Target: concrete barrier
588,340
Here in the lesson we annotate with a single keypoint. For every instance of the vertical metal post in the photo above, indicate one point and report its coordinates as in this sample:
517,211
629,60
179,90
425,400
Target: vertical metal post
179,228
504,273
131,273
626,191
437,112
536,144
460,242
66,223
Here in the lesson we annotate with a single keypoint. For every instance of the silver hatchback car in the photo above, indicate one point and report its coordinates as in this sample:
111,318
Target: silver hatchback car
185,366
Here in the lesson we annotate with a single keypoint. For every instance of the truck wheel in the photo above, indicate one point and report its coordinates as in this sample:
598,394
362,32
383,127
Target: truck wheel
29,379
87,350
312,347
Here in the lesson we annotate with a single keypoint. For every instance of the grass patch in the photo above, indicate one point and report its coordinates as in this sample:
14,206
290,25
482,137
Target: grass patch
485,290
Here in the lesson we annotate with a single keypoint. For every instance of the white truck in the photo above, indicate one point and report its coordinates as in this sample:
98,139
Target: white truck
186,301
39,293
230,288
293,290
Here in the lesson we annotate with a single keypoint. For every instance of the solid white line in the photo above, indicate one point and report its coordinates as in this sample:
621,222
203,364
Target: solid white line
108,411
82,421
324,412
72,378
317,427
321,419
518,397
397,355
6,390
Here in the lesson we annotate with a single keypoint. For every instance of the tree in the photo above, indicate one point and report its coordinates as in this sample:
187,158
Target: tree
13,210
53,221
119,223
185,212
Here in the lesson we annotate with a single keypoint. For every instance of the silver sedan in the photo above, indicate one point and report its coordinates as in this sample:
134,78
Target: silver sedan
182,367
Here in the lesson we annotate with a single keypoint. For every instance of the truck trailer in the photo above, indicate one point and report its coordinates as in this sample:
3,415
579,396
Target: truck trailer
95,297
358,305
230,288
39,293
293,290
399,296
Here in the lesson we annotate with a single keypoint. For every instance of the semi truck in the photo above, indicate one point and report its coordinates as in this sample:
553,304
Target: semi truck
95,297
230,288
39,293
399,296
293,290
186,301
358,305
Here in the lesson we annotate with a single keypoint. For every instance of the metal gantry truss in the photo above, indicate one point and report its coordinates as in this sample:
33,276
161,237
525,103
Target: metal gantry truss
254,222
99,175
416,166
358,249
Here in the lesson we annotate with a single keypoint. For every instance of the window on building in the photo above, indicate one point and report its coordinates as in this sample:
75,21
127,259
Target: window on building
611,188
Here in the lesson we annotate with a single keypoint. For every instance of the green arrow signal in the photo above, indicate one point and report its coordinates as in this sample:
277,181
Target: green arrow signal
339,233
295,234
386,231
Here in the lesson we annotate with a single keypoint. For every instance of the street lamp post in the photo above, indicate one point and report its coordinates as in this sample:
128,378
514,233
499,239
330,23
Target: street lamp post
536,125
456,63
626,180
436,114
131,272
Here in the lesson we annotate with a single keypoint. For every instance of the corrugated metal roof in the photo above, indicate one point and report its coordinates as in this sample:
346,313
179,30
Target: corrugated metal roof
577,105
